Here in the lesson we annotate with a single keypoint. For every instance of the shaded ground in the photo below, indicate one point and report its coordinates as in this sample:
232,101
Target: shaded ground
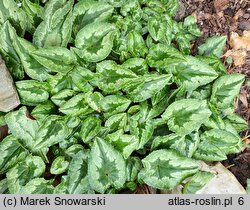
222,17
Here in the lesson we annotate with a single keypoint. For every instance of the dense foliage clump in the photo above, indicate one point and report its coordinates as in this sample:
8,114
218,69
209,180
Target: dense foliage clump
114,96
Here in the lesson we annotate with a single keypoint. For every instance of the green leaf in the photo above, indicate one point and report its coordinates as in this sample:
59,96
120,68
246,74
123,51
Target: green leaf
191,26
145,87
166,141
114,104
142,130
136,44
238,122
51,131
57,59
62,187
112,77
183,41
56,28
59,82
62,96
186,115
193,73
115,3
172,6
3,186
22,127
202,93
106,167
12,152
9,11
137,65
159,96
91,126
158,108
111,83
74,149
23,172
78,174
248,186
165,169
72,121
88,12
160,30
214,62
213,46
76,106
59,165
134,165
169,7
2,120
185,145
131,8
92,99
43,110
124,143
117,121
37,186
198,181
216,144
31,67
95,41
32,92
34,13
12,59
81,77
225,89
162,56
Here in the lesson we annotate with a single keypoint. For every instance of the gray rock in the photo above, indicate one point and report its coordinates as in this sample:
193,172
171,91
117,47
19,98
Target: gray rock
224,182
8,95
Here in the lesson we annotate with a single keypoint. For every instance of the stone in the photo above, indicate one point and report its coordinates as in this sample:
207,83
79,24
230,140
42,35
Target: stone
8,95
224,182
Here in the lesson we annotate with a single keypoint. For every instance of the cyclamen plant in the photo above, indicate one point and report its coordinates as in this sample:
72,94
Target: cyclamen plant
116,98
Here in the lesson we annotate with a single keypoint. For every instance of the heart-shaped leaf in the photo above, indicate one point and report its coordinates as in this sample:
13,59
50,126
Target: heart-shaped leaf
165,169
106,167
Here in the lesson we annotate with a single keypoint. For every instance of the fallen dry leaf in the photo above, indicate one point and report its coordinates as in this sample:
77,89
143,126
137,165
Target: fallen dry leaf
207,16
195,15
238,14
247,141
238,56
243,98
240,42
220,5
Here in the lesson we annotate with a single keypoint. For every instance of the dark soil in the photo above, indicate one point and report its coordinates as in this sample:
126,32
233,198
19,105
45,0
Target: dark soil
221,17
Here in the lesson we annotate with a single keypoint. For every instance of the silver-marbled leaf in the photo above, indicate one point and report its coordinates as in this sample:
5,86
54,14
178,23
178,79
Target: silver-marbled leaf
106,167
57,59
30,168
32,92
165,169
225,89
94,42
12,152
186,115
91,126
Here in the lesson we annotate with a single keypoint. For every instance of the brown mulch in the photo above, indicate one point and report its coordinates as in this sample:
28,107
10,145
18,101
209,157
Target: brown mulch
222,17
